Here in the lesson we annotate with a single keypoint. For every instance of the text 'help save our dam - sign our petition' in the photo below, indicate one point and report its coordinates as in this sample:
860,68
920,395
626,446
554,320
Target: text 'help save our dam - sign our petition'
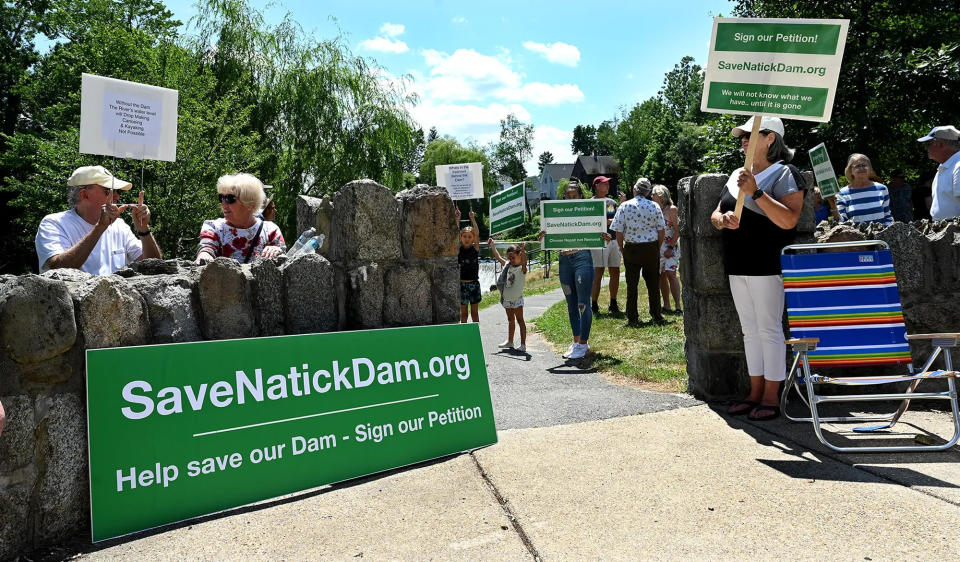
182,430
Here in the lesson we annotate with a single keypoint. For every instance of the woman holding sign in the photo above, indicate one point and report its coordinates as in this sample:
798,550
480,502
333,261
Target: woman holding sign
751,257
576,280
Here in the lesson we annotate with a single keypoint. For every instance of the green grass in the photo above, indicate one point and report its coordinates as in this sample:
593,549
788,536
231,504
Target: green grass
535,285
650,355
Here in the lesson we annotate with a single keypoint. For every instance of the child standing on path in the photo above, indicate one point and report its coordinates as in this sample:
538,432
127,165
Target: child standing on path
469,258
511,292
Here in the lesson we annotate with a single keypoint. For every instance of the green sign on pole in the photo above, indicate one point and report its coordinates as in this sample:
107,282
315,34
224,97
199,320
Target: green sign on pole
775,67
182,430
573,225
507,208
823,171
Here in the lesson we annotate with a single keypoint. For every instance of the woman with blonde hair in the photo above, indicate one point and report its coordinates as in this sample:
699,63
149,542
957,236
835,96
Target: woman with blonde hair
864,199
669,251
240,234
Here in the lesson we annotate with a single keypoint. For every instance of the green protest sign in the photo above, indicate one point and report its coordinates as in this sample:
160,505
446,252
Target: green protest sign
775,67
573,225
182,430
823,171
507,208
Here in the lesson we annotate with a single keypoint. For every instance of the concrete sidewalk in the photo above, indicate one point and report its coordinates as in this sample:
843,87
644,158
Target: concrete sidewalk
681,480
686,483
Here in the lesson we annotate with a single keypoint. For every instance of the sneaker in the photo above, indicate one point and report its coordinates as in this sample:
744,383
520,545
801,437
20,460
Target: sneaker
570,350
614,308
506,345
522,348
595,307
580,351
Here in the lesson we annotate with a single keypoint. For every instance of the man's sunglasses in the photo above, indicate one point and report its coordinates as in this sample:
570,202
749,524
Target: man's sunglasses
228,199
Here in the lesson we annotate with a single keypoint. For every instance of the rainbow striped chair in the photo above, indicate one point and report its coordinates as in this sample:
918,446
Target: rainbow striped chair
844,311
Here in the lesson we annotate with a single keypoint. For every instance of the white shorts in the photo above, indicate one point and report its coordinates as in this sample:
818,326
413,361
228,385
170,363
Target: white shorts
513,304
608,256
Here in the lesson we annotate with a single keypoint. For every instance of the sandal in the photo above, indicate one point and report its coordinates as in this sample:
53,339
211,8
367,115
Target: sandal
742,407
774,413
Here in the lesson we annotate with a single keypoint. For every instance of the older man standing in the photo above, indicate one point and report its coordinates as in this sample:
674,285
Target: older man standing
640,230
89,237
944,148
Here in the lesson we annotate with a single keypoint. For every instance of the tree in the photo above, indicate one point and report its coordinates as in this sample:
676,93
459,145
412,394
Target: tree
546,157
682,89
514,148
606,138
433,135
584,140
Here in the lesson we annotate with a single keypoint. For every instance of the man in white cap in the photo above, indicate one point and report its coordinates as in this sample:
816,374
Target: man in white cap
944,148
89,237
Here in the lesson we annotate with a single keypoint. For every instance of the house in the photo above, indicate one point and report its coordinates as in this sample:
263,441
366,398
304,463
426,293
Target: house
586,168
550,177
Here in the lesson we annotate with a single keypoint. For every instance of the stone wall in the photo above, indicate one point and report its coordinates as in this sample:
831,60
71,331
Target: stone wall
389,260
926,256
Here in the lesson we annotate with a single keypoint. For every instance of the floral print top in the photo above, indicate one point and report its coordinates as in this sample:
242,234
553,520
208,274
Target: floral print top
227,241
638,220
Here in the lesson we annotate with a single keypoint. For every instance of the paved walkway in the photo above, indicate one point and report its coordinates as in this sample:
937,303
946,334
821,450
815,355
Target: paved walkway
680,481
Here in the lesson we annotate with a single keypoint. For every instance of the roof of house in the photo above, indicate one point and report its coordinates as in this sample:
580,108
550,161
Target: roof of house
596,165
558,170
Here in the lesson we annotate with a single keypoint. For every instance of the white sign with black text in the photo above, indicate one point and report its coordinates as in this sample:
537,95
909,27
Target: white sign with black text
463,181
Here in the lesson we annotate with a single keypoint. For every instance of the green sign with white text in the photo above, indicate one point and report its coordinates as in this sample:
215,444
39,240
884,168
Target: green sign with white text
823,171
573,224
775,67
182,430
507,208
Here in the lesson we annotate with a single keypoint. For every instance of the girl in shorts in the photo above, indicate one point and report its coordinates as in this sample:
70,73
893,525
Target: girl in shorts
469,258
511,293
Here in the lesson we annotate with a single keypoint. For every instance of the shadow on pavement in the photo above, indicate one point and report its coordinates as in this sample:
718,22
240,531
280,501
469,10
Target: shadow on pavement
798,439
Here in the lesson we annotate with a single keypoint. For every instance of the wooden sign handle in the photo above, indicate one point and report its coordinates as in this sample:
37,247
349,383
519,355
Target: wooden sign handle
748,163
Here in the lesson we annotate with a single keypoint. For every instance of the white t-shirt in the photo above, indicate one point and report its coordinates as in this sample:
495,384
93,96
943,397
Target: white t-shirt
946,189
59,232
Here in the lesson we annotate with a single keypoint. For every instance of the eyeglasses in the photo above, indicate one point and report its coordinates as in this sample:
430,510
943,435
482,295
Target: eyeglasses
861,166
228,199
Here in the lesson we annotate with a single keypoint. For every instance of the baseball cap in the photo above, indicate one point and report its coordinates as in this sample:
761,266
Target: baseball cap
96,175
948,132
600,179
767,123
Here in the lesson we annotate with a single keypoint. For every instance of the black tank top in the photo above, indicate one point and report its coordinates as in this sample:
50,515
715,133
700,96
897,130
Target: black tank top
469,259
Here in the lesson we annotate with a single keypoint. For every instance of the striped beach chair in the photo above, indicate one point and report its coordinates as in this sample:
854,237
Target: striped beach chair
844,310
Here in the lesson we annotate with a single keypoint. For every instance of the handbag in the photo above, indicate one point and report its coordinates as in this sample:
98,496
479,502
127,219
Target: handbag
253,244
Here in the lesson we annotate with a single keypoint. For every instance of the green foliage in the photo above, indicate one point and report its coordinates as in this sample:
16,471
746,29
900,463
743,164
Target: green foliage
584,140
546,157
514,148
301,113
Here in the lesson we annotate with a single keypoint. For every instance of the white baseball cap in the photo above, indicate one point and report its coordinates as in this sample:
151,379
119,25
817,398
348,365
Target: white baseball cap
766,124
96,175
948,132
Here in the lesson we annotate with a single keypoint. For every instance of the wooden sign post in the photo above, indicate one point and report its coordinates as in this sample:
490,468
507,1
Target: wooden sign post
748,163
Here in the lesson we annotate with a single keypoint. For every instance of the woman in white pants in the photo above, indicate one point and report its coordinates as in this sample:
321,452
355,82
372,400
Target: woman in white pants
751,247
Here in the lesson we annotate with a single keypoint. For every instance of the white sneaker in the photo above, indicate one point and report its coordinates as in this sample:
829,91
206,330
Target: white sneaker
569,351
580,350
522,348
506,345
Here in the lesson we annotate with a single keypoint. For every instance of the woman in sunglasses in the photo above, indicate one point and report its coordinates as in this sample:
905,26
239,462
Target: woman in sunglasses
240,235
864,199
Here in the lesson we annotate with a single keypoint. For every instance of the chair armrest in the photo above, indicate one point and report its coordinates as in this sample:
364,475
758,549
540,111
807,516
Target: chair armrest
794,341
938,340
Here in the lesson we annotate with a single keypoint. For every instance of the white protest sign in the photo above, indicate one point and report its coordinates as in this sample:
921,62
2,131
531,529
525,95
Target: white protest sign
127,119
463,181
784,68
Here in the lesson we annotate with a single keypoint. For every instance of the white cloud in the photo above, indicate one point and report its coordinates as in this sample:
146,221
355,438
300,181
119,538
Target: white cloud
459,19
551,139
384,45
545,94
557,53
465,122
392,29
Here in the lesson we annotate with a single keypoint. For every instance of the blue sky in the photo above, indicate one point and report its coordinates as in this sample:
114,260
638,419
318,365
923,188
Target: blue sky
553,64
